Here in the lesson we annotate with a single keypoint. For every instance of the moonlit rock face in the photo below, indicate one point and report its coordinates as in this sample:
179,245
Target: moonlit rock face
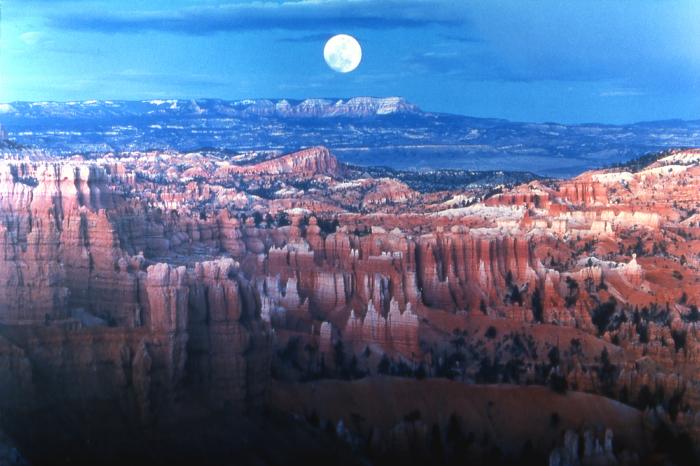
342,53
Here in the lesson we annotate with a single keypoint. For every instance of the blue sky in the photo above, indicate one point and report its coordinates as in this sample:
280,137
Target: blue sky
529,60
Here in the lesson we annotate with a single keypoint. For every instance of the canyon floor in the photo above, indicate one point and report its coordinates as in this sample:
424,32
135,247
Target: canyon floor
166,307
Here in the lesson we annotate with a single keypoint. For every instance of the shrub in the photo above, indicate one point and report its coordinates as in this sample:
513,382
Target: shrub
328,226
421,373
384,366
602,313
558,383
602,285
675,403
693,315
607,373
482,307
553,356
679,339
572,297
283,219
644,398
509,278
554,419
515,295
413,416
537,307
455,437
436,448
576,347
313,419
643,332
339,354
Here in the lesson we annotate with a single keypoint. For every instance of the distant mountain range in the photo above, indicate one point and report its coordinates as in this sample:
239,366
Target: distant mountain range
363,131
356,107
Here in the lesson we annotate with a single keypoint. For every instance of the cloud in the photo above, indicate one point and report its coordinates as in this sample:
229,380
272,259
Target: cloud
648,49
485,64
31,37
181,80
127,84
302,15
307,38
464,39
621,93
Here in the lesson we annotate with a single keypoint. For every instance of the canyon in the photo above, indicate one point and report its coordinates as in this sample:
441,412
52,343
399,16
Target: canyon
145,291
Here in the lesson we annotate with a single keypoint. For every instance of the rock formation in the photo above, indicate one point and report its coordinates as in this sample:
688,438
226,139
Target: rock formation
306,163
397,331
163,284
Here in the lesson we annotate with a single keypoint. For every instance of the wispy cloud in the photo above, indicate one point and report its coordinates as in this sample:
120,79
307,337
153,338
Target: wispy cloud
621,93
464,38
485,65
31,37
185,80
302,15
322,37
121,84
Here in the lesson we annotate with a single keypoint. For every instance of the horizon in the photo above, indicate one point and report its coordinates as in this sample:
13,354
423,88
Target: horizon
345,99
610,61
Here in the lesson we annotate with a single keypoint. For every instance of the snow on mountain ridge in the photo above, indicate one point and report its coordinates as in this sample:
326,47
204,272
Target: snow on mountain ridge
313,107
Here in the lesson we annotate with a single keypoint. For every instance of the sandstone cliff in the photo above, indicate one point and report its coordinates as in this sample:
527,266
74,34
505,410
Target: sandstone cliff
309,162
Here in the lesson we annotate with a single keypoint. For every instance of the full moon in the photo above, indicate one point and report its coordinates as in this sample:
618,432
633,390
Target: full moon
342,53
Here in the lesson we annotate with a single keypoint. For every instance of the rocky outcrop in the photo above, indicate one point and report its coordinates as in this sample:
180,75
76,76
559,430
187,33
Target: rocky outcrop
155,286
167,295
59,247
388,192
87,319
458,270
402,328
323,108
228,346
325,338
397,331
306,163
582,192
452,271
633,272
201,337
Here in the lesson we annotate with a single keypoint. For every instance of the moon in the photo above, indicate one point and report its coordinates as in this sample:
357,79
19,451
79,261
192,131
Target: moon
342,53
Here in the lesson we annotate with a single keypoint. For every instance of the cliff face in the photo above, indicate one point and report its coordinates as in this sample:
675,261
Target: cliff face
228,346
54,235
80,254
309,162
457,269
145,288
398,331
83,321
73,241
323,108
451,270
586,193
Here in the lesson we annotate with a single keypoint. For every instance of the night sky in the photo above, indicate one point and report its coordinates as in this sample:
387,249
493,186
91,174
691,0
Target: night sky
530,60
